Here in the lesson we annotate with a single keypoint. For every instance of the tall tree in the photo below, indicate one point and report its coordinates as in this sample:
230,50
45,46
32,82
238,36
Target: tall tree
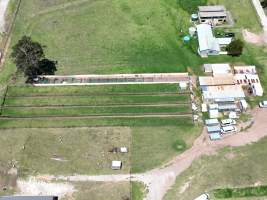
29,58
27,53
264,3
235,48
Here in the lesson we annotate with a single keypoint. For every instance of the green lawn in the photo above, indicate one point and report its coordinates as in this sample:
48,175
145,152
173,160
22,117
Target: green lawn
138,191
231,168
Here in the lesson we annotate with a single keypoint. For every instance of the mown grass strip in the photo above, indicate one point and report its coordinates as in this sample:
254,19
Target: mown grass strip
95,122
77,111
94,100
99,89
240,192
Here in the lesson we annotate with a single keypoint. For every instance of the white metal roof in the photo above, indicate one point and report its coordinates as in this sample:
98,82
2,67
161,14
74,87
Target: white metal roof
224,41
223,92
258,90
222,68
245,79
206,39
116,163
211,121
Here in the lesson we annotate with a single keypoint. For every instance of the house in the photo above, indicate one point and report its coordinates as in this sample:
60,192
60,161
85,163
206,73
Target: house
116,165
208,44
222,93
28,198
214,15
217,69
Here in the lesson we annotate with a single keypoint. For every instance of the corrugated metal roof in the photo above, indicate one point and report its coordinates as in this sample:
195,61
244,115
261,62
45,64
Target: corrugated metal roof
223,92
218,80
211,122
206,39
212,14
215,136
215,8
213,129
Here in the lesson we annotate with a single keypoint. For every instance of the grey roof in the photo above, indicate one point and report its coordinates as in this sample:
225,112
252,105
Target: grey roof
212,129
212,14
28,198
217,8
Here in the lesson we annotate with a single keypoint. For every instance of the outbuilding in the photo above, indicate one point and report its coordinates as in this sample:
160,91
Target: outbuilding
214,113
116,165
212,122
215,136
214,15
208,44
213,129
244,104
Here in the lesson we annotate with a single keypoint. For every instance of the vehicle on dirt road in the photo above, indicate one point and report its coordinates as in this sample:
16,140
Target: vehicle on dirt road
263,104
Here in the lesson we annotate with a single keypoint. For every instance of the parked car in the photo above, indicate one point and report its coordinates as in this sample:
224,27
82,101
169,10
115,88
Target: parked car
228,122
263,104
229,34
228,129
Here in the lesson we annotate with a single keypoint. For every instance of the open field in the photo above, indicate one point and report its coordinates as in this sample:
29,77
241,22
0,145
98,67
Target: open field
230,168
90,105
102,191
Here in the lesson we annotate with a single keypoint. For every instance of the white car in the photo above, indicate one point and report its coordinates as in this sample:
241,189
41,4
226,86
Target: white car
228,129
228,122
263,104
204,196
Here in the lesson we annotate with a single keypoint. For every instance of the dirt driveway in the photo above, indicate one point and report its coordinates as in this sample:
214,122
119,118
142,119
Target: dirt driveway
160,180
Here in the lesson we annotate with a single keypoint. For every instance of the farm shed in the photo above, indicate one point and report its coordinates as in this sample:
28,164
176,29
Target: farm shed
257,89
216,81
29,198
246,79
244,104
212,93
214,113
213,129
227,107
208,44
212,14
116,165
215,136
223,68
212,122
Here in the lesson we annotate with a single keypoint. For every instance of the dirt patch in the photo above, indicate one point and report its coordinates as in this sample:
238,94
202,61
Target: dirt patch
185,186
254,38
230,156
32,186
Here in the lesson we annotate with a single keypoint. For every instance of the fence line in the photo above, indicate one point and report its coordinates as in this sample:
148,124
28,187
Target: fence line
6,37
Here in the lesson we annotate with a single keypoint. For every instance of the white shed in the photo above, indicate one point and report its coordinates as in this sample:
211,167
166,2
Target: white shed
214,114
183,85
244,104
124,150
116,165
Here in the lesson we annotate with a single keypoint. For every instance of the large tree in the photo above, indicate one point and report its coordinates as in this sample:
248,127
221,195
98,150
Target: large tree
264,3
29,58
235,48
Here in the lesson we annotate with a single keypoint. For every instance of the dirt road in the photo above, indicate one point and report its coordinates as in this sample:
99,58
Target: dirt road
3,8
160,180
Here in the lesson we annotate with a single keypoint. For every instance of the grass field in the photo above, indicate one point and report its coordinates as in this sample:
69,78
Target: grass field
102,191
89,105
230,168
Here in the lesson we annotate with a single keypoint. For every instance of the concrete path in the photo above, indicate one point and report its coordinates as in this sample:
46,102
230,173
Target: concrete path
160,180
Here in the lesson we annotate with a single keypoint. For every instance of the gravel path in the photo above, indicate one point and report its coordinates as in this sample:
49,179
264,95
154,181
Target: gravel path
160,180
3,8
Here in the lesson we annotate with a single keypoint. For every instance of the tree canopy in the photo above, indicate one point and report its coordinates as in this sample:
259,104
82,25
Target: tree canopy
235,48
30,59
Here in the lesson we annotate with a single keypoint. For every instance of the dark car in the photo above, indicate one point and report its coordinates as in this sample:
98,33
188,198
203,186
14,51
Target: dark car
229,34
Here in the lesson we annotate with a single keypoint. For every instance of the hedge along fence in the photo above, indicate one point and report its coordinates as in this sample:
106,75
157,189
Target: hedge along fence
240,192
